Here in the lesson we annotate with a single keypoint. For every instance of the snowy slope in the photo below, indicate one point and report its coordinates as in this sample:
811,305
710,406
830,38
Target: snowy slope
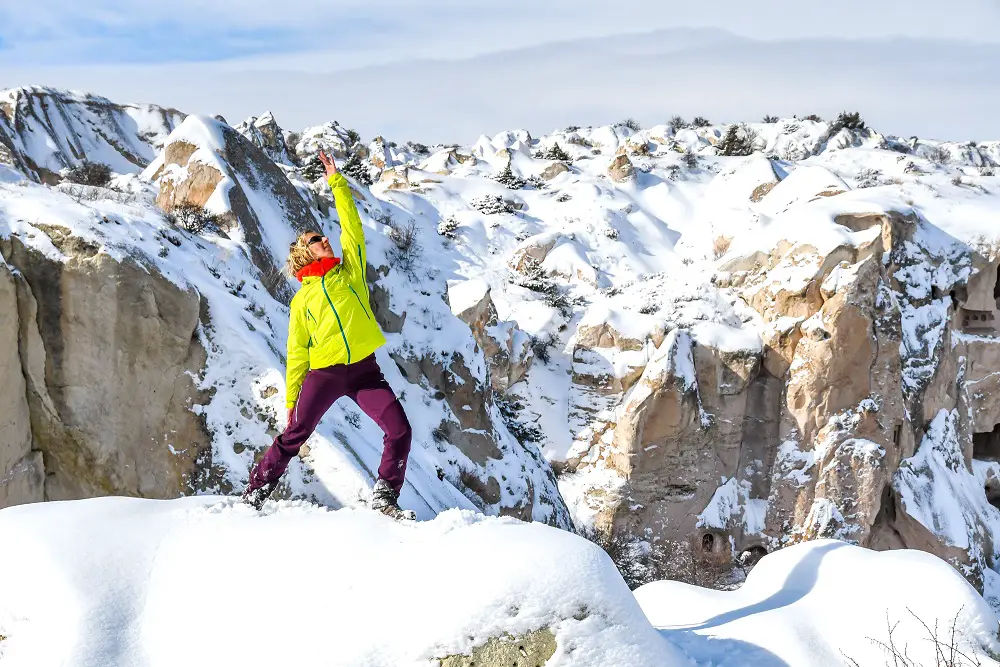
47,130
826,603
204,581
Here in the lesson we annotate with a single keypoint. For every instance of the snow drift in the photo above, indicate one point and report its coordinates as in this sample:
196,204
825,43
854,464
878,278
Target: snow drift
827,603
205,581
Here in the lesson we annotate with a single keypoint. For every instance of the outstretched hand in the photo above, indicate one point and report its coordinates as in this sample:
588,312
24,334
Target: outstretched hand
328,164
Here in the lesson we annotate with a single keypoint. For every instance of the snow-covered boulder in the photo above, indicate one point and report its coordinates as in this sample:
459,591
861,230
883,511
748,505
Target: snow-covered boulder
825,604
107,581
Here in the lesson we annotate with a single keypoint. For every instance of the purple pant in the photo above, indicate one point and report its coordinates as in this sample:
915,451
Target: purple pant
364,384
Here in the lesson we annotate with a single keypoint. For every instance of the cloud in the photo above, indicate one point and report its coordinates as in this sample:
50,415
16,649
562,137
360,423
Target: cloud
932,88
69,32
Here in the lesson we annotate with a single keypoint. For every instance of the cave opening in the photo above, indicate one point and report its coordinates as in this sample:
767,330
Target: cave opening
708,542
986,446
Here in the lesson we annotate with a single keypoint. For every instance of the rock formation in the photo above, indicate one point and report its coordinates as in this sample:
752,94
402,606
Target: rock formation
207,164
98,360
78,128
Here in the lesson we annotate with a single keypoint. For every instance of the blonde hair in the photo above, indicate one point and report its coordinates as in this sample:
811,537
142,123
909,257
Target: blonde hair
299,254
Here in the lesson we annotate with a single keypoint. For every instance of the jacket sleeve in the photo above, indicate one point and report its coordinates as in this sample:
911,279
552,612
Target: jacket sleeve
298,354
352,234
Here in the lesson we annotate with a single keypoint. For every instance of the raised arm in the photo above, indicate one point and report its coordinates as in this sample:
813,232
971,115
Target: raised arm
298,354
352,234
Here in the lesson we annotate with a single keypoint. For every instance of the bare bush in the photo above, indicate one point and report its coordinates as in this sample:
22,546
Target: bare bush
677,123
88,193
510,411
948,650
938,155
632,124
986,170
96,174
194,219
405,252
720,246
640,561
698,121
813,117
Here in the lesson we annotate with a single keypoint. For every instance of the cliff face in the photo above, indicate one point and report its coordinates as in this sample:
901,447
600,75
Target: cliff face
100,360
703,354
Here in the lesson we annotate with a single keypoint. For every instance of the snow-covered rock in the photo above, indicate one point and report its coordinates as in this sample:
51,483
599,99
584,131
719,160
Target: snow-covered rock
265,133
43,130
207,164
825,604
106,582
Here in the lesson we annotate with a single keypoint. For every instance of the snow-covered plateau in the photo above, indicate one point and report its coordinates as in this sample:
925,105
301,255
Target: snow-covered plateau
766,348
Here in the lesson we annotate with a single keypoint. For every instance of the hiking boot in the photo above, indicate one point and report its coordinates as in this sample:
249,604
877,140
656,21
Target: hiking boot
385,500
255,497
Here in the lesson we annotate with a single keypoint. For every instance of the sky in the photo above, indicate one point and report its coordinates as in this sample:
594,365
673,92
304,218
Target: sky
442,70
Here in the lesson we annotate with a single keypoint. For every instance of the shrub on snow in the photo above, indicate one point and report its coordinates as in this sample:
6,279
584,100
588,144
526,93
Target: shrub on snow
194,219
96,174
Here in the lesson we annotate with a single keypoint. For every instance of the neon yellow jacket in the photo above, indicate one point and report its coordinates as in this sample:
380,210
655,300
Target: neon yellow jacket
331,320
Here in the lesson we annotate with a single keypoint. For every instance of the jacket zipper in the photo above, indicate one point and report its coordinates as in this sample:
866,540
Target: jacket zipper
360,302
337,315
364,273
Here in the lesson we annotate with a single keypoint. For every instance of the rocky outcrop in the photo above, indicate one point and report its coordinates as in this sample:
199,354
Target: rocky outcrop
209,164
507,349
870,392
105,353
265,133
43,130
554,170
621,168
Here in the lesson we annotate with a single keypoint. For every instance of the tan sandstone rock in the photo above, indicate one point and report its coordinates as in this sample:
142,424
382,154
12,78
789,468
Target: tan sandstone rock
107,351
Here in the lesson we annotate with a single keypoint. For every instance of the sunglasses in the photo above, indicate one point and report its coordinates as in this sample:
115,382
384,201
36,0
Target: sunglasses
314,239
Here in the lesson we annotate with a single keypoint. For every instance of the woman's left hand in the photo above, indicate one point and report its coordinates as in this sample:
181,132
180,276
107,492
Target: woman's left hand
328,164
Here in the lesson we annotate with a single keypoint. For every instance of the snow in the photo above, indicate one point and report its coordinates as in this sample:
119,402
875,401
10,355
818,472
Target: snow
466,294
821,603
938,490
131,583
636,258
731,503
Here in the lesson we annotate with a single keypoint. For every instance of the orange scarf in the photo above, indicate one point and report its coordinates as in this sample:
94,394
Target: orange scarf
318,268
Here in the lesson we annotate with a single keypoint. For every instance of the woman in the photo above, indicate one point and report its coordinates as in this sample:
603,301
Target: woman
332,338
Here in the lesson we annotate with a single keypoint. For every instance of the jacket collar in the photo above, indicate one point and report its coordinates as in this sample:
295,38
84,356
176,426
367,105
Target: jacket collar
318,268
